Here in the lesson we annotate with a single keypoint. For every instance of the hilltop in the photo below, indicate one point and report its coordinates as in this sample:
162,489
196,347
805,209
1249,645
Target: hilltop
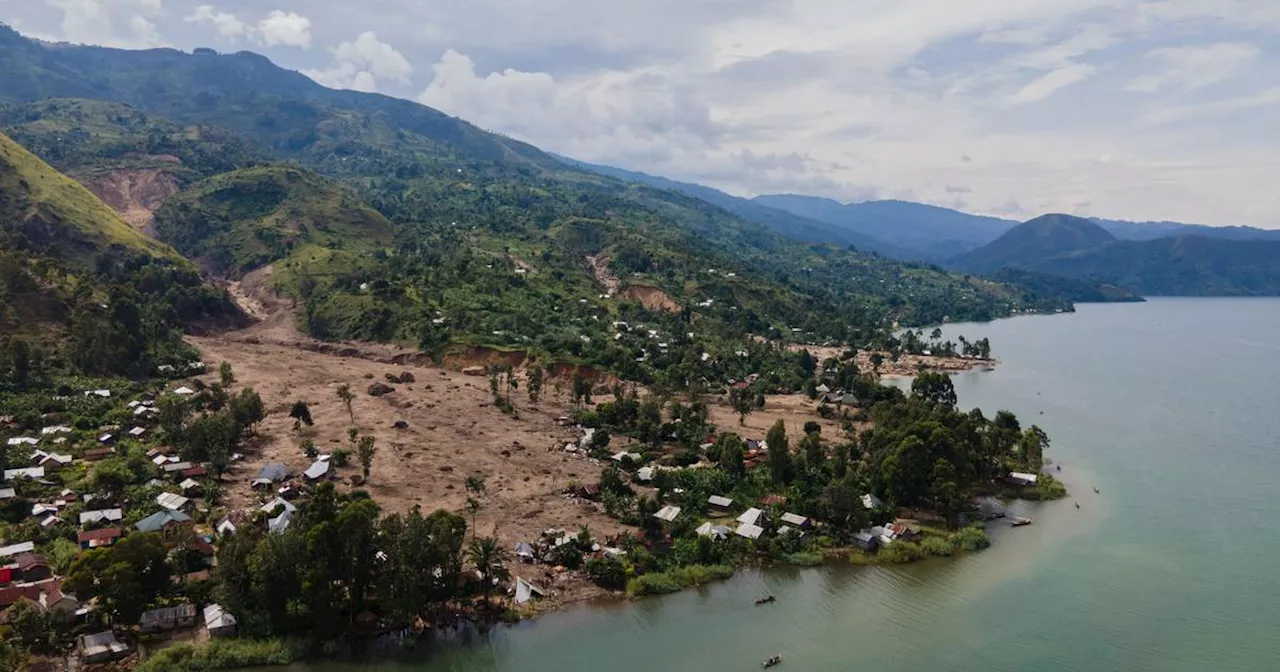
1039,238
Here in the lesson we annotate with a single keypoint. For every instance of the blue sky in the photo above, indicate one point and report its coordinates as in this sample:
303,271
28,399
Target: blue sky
1134,109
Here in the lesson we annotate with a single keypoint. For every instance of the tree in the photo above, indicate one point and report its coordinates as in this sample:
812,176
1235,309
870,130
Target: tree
365,451
301,414
814,456
742,399
247,409
877,360
225,375
944,491
779,453
1032,445
20,359
488,558
535,384
345,394
730,454
935,388
171,414
309,448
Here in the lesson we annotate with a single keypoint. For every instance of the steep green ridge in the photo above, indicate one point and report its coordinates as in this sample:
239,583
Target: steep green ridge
1040,238
80,290
46,212
786,223
82,137
245,219
1075,290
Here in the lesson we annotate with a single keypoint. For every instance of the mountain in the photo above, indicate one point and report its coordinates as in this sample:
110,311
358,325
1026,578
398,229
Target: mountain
245,219
493,242
1151,230
80,288
786,223
1072,247
923,231
1040,238
1075,290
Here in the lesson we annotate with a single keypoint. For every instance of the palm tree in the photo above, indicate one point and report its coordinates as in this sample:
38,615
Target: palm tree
488,557
475,488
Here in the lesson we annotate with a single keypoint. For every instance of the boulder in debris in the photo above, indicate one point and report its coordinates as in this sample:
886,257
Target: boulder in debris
400,424
473,371
379,389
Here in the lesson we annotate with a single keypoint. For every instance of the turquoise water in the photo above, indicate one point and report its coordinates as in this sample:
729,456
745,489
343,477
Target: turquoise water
1170,408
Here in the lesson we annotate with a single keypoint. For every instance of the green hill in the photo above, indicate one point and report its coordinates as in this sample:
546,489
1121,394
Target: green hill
1038,239
494,239
81,290
245,219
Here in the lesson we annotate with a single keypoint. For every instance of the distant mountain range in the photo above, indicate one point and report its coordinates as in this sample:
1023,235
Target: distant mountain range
1179,265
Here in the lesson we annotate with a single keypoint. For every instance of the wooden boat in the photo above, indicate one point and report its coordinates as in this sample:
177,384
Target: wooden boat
772,661
1019,522
766,600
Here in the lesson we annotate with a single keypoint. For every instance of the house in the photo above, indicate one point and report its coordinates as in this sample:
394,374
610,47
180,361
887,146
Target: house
168,618
270,474
865,540
137,432
106,536
749,531
716,532
318,470
50,521
100,647
50,461
7,493
198,471
787,531
753,516
32,567
22,441
102,516
17,549
172,468
281,522
667,513
226,527
588,491
524,552
822,389
184,391
97,454
105,394
795,520
172,501
719,502
271,506
162,521
107,438
870,501
34,473
622,455
219,622
1021,479
774,500
645,473
526,591
55,601
189,486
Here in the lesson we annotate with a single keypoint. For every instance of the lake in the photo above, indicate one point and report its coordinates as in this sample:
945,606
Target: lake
1168,407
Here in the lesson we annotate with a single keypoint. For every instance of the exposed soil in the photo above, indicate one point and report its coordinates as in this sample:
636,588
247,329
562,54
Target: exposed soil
600,269
135,194
453,431
794,410
907,366
652,298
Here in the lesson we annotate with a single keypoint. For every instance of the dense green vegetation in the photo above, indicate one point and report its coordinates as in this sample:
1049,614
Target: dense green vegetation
1076,290
81,290
245,219
1040,238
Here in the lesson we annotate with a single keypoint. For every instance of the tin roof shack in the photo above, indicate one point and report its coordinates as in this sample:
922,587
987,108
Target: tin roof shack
719,503
32,567
101,647
667,513
1021,480
168,618
866,540
218,622
99,538
165,522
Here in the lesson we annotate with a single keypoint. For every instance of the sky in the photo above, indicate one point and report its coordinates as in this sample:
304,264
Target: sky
1127,109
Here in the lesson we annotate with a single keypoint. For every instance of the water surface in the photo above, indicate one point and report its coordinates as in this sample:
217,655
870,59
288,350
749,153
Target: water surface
1170,408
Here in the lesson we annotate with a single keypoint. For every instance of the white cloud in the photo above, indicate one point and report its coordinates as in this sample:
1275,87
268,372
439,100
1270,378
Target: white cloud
1188,68
358,65
1216,108
286,29
117,23
1046,85
229,26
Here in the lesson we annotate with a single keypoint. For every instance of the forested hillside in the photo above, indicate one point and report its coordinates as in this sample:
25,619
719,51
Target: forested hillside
494,242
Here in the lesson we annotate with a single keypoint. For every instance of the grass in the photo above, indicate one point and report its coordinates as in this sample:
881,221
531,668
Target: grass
85,223
222,654
803,559
675,580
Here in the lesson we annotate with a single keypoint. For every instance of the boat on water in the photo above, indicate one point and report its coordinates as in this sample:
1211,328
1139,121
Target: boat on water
772,661
766,600
1019,522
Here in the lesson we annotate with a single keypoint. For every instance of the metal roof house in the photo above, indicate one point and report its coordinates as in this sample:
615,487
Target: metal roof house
168,618
101,647
172,501
158,521
870,501
749,531
218,622
1022,479
794,519
752,516
720,502
667,513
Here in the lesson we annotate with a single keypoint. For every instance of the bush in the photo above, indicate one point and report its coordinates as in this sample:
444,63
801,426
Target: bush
900,553
937,546
341,457
607,573
659,583
971,538
803,559
222,654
